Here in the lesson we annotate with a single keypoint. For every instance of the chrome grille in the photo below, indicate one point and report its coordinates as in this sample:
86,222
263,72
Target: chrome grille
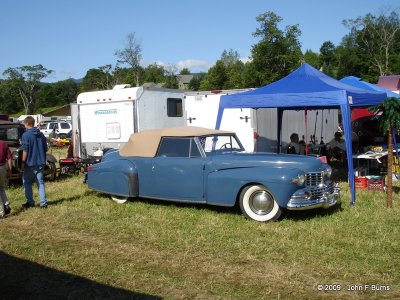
317,193
314,179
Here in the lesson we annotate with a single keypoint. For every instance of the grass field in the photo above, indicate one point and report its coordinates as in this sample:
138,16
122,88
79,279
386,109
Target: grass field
86,246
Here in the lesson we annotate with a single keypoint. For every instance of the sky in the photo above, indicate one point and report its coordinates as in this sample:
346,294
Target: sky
72,36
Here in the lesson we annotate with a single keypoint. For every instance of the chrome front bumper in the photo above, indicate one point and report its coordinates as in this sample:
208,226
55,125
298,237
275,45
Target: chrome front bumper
301,200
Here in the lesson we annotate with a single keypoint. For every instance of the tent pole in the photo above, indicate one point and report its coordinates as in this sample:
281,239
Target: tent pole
279,132
345,108
305,125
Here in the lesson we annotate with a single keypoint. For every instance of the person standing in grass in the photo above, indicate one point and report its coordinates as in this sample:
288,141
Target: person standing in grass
34,147
5,171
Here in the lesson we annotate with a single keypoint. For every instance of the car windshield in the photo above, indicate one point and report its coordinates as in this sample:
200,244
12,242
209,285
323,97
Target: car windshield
220,143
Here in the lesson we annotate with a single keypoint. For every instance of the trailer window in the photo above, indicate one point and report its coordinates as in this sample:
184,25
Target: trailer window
113,130
174,107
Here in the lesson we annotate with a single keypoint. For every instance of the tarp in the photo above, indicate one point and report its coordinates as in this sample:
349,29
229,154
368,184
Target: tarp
306,88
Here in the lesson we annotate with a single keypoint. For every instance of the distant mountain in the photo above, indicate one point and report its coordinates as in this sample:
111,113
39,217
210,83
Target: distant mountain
78,81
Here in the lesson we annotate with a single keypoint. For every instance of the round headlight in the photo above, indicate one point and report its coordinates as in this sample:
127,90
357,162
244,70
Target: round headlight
15,155
300,179
328,172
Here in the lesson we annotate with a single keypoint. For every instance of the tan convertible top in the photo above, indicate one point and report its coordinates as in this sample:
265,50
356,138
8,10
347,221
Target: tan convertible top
145,143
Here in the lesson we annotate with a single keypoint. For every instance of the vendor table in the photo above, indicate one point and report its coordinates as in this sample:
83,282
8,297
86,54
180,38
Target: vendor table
369,155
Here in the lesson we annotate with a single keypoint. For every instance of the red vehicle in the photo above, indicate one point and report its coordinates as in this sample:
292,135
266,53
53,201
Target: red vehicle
366,126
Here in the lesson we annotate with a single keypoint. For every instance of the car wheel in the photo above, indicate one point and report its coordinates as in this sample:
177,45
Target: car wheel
257,203
51,171
119,199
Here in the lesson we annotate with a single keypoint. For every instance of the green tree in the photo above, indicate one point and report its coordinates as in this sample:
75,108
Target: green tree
234,73
327,58
184,71
195,83
390,108
227,73
56,94
216,77
26,80
171,80
154,73
230,57
66,91
8,96
378,37
351,60
312,58
108,78
278,52
132,56
47,97
234,69
94,80
121,76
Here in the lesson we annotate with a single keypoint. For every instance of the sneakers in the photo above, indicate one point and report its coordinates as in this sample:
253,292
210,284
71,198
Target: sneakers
7,209
27,205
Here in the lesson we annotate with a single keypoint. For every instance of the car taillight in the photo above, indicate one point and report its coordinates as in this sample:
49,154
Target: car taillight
255,135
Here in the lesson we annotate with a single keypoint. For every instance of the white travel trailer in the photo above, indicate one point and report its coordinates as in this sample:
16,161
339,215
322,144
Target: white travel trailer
106,119
202,109
257,128
38,118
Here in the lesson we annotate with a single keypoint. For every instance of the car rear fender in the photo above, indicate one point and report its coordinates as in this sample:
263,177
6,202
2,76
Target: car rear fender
224,186
116,177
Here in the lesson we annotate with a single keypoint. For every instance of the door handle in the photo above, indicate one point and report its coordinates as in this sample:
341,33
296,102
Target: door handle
246,118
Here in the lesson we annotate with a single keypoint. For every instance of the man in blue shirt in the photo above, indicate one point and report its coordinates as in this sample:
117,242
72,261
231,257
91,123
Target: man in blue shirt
34,146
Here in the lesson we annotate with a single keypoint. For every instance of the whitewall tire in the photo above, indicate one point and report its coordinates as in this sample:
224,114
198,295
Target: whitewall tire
258,203
119,199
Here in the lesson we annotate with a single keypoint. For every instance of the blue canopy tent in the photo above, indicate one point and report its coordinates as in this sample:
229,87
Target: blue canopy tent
306,88
357,82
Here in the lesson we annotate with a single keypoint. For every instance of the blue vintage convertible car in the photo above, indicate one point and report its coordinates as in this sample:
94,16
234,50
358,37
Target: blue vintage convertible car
198,165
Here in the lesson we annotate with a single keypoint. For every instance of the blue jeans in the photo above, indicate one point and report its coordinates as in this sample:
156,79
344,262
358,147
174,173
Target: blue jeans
30,175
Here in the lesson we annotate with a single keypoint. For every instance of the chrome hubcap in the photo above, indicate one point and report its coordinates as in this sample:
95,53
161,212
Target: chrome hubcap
261,202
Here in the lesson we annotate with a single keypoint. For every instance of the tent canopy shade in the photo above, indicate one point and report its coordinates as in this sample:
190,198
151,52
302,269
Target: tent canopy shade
308,88
357,82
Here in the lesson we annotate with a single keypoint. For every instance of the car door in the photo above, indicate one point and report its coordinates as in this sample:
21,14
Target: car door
178,170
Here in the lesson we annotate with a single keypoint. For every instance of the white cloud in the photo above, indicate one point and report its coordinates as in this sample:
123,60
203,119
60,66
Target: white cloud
193,65
246,59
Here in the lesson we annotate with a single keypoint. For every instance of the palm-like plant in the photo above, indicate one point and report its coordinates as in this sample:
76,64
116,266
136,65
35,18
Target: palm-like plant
390,120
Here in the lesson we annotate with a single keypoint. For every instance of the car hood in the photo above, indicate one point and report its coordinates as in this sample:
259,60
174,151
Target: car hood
246,160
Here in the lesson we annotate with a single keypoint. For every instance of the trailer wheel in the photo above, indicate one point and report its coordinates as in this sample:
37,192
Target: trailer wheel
51,170
119,199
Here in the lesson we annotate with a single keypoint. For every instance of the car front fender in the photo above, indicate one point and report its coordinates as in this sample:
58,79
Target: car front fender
224,186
